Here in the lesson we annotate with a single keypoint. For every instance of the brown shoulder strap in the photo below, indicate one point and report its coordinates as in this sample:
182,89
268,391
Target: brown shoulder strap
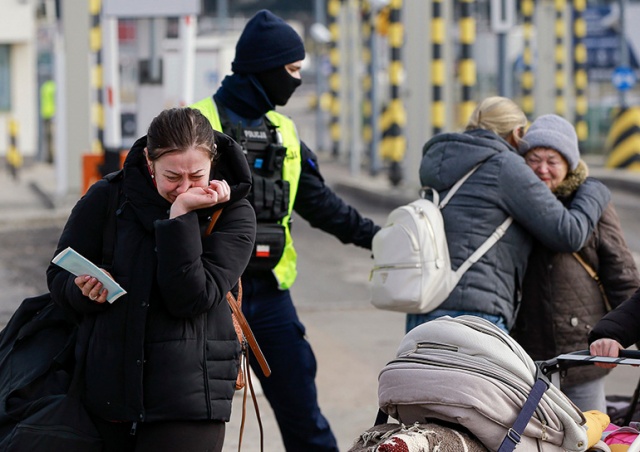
248,334
239,317
212,223
237,311
595,277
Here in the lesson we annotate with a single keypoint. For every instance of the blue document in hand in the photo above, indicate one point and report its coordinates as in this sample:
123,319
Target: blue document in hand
70,260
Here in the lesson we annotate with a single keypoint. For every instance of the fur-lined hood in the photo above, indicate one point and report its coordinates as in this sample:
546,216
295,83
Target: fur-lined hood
573,180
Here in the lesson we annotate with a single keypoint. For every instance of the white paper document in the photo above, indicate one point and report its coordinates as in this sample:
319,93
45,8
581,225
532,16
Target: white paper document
70,260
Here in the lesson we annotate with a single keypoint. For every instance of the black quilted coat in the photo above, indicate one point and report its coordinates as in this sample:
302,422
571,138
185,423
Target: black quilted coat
167,350
561,303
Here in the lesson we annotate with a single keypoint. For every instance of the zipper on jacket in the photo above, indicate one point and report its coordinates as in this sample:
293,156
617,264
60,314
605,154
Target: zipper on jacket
134,429
204,365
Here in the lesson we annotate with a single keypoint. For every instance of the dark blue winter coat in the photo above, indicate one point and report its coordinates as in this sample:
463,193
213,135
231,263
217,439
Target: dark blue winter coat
503,186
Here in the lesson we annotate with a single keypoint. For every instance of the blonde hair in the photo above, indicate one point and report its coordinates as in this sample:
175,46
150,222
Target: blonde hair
498,114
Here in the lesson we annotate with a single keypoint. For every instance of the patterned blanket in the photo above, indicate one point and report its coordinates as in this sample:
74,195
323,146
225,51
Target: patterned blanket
415,438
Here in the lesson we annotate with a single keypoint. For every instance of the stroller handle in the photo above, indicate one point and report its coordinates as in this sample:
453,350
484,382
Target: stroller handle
583,358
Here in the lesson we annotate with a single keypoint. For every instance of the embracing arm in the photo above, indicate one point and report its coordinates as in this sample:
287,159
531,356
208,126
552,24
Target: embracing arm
195,273
535,208
325,210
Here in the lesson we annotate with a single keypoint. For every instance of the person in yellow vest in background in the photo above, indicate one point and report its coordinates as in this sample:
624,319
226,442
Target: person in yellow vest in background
47,112
286,178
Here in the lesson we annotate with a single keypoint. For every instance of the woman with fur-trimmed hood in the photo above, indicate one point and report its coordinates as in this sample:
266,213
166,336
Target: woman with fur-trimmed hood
561,302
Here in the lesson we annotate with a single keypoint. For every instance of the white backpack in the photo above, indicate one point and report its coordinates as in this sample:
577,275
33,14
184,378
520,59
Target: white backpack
412,270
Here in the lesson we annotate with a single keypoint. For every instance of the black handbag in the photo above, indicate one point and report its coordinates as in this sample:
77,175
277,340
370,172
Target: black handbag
55,423
43,351
41,382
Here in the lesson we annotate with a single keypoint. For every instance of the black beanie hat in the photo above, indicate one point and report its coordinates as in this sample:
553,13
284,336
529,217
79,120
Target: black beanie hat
266,42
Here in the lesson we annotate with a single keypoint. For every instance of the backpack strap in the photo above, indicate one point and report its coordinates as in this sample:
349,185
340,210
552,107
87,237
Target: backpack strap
491,240
435,196
486,246
456,186
514,434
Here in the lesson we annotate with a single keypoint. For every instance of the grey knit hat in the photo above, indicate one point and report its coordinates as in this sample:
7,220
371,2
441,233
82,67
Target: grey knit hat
555,132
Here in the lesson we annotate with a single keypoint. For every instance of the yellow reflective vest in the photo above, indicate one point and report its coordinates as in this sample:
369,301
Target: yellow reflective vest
285,270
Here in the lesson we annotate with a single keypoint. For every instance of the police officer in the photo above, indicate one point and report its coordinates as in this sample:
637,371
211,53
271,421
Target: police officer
266,72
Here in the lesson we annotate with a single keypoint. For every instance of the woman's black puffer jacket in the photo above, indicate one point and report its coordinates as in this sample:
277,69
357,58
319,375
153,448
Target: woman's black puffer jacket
166,350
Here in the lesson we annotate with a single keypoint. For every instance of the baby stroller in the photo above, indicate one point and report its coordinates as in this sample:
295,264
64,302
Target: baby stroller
627,435
467,377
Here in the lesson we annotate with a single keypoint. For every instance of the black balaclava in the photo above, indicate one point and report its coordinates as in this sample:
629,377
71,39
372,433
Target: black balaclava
266,45
278,84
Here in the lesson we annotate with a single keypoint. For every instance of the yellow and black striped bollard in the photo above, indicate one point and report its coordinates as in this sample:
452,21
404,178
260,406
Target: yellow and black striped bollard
14,157
333,10
367,87
95,46
394,118
623,141
467,65
528,102
560,104
580,70
437,67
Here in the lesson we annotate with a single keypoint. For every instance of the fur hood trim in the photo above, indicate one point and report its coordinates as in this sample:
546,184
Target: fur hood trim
573,180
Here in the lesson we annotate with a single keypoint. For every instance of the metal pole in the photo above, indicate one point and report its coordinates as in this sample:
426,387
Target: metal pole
561,107
437,67
375,104
188,51
223,14
97,80
394,143
580,70
467,65
113,129
528,101
502,65
355,150
333,7
624,51
62,172
367,107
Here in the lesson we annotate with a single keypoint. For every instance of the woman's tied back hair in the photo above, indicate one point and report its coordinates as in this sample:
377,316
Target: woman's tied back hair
498,114
178,129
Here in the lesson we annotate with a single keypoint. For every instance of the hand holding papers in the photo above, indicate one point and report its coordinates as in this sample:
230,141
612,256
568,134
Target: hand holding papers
78,265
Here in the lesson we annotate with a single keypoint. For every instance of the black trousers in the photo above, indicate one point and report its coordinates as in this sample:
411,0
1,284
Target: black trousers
170,436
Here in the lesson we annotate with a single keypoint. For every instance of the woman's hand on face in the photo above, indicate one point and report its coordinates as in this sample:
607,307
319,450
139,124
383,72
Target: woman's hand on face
605,347
218,191
92,288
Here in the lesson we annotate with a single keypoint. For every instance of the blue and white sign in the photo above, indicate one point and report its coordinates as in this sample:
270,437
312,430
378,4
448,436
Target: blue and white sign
623,78
602,42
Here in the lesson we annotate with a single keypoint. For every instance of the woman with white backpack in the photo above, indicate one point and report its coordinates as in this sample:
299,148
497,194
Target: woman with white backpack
503,186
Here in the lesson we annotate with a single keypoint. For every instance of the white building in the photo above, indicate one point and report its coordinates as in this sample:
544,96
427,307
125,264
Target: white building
18,74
